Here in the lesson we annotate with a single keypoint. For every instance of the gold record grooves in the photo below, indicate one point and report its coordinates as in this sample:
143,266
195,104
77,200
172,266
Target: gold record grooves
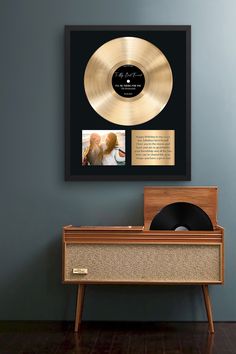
132,110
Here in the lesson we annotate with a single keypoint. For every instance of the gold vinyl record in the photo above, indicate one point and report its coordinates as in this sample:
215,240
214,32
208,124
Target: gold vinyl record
128,81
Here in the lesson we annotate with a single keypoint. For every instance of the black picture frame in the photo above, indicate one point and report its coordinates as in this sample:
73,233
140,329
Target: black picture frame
74,171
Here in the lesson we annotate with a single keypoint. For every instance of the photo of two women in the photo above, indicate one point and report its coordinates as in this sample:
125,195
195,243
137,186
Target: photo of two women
103,147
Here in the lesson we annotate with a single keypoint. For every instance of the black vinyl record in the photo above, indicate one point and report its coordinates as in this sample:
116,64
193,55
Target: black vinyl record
181,216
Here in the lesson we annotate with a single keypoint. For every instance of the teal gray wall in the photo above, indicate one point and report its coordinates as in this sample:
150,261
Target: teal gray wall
35,201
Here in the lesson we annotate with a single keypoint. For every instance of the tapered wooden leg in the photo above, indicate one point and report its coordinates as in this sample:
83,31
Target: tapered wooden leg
207,301
79,306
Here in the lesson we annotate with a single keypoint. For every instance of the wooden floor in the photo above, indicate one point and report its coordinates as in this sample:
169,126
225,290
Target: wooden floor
116,338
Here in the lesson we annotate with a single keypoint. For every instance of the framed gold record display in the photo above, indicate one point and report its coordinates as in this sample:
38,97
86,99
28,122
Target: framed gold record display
127,102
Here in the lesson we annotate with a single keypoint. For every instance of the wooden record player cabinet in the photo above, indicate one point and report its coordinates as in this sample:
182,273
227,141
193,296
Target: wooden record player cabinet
137,255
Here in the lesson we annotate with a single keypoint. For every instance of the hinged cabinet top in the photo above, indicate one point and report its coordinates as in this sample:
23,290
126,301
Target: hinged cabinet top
156,198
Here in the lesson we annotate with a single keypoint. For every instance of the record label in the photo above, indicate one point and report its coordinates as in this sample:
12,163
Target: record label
128,81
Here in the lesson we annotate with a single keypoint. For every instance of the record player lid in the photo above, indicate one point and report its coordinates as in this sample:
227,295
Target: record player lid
156,198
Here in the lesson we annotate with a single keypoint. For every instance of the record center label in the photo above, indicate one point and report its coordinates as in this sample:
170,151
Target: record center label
128,81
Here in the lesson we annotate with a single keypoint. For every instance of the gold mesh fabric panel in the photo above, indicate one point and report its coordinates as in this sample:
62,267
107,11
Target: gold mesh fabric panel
134,263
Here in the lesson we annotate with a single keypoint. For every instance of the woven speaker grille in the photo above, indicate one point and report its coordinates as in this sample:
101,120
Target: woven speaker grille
140,263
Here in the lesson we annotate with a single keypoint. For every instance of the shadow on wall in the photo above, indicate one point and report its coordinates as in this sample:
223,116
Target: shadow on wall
144,303
35,289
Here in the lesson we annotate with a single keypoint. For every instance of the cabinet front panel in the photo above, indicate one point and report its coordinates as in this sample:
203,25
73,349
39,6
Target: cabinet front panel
143,263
